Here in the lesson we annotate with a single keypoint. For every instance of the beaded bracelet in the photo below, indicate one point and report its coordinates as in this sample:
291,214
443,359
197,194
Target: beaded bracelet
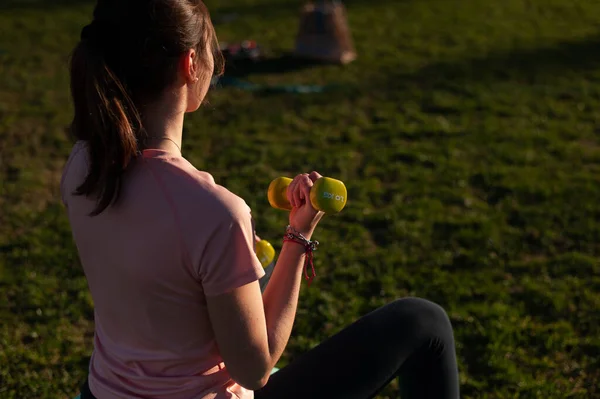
291,235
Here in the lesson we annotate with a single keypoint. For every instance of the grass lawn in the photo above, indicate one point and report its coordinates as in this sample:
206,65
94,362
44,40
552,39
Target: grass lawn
467,133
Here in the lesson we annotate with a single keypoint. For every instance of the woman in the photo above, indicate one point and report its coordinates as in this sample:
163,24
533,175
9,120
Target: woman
169,254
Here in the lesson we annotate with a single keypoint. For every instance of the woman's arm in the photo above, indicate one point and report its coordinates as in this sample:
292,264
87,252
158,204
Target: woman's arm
251,330
252,334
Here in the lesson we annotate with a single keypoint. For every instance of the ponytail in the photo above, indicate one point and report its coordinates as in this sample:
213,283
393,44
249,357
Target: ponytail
128,55
105,117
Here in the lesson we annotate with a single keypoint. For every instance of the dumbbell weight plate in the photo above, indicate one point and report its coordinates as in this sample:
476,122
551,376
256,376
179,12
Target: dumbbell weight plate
329,195
277,193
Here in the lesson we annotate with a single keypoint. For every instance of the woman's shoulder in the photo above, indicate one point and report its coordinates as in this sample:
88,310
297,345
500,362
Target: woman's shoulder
77,151
201,191
77,157
222,196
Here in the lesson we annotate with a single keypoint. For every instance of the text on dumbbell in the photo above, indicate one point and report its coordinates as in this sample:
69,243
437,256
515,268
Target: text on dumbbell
333,196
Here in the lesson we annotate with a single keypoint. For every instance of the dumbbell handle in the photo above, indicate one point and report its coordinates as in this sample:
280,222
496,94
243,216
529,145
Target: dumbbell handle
327,194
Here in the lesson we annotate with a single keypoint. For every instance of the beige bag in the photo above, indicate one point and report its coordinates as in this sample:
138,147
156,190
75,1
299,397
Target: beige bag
324,34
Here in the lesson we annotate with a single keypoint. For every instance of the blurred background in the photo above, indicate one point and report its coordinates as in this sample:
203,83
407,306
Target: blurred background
467,133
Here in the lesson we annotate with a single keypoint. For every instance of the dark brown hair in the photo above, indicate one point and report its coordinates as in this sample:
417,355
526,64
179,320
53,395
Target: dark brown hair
126,57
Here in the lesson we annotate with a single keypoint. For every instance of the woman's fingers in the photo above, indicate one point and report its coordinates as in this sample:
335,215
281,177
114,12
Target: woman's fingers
314,176
290,191
298,192
305,188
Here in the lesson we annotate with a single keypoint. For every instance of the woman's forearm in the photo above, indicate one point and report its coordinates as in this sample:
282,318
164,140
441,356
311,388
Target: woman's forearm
281,297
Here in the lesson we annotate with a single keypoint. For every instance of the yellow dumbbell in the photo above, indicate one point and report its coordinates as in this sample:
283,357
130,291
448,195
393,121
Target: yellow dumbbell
327,195
265,252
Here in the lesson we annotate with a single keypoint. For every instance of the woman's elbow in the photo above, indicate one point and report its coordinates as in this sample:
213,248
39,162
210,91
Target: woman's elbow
253,384
260,383
253,381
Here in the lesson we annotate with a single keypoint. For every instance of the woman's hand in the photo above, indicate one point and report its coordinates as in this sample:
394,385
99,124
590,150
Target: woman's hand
303,217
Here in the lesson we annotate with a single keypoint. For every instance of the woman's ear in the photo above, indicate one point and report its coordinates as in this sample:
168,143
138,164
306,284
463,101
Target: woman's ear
189,66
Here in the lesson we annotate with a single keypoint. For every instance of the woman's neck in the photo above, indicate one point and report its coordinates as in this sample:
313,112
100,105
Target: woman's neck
163,122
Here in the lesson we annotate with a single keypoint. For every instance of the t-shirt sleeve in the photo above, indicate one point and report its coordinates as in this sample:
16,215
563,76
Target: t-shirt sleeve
229,260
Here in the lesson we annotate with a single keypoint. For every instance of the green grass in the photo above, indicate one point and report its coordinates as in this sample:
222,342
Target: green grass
467,133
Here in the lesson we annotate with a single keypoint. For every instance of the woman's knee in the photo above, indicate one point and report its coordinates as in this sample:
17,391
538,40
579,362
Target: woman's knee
423,316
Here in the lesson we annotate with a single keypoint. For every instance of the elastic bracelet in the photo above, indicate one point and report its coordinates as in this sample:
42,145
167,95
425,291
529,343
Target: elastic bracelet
291,235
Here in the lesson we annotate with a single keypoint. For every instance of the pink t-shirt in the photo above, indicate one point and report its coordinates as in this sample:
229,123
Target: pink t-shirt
174,237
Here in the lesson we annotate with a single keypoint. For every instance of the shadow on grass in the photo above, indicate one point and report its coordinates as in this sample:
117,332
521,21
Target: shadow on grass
268,9
522,65
477,358
270,65
41,4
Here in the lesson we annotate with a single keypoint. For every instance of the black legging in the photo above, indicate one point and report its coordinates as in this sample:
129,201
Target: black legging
409,338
